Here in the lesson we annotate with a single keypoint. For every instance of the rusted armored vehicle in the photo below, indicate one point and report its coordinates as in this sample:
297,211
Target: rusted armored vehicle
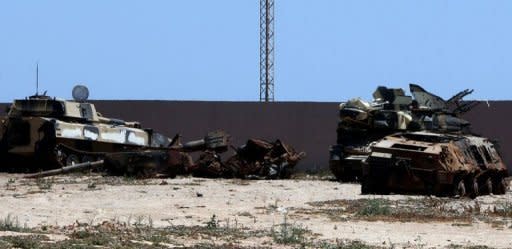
363,123
259,159
256,159
41,132
434,163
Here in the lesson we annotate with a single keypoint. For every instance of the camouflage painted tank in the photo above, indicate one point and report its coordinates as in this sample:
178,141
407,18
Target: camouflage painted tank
434,163
36,127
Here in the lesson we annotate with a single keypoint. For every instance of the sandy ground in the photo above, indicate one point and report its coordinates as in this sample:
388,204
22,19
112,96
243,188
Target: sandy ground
251,204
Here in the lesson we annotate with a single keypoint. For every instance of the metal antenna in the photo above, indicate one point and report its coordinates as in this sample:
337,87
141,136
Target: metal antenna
37,78
266,50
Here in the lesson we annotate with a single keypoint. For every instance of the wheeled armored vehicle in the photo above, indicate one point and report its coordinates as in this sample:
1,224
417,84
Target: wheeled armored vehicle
434,163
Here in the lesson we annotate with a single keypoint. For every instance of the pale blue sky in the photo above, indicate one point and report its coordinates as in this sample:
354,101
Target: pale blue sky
209,50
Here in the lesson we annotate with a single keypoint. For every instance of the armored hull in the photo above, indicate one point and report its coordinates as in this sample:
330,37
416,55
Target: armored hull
35,129
434,163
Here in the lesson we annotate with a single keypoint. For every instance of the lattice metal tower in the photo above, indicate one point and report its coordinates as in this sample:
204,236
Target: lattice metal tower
266,50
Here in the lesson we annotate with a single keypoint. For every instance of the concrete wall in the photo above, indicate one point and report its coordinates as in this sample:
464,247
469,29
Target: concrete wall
308,126
494,120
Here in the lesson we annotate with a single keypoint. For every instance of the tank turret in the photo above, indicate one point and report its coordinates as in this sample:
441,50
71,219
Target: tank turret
44,106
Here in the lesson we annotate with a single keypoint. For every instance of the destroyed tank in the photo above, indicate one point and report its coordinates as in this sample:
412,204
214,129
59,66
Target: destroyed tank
363,123
41,132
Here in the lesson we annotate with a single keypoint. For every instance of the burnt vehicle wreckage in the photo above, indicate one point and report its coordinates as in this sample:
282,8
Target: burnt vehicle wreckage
256,159
402,144
54,136
397,143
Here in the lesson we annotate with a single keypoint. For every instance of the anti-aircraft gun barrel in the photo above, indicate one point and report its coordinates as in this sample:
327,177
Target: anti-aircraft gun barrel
459,96
459,106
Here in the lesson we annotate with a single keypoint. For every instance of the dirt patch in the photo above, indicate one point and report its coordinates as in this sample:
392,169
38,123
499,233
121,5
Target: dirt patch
247,213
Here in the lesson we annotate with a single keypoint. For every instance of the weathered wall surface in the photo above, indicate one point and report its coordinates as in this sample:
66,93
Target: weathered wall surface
308,126
494,120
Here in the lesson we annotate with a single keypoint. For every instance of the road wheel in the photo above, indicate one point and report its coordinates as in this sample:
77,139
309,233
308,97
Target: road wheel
500,186
429,189
459,189
72,159
488,186
367,186
474,188
61,157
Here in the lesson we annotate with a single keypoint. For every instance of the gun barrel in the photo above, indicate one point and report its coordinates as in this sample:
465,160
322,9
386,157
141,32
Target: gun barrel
217,141
459,96
195,145
66,169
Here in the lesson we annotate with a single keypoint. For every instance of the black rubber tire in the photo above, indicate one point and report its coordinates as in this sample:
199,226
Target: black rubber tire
474,188
489,186
348,176
61,157
459,189
501,186
429,189
367,186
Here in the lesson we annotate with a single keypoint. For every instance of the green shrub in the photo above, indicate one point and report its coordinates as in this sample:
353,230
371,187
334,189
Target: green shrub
375,207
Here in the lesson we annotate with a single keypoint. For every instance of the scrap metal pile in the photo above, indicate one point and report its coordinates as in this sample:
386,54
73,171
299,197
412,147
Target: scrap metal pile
256,159
54,136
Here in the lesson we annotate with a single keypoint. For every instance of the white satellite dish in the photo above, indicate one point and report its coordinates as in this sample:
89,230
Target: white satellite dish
80,93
